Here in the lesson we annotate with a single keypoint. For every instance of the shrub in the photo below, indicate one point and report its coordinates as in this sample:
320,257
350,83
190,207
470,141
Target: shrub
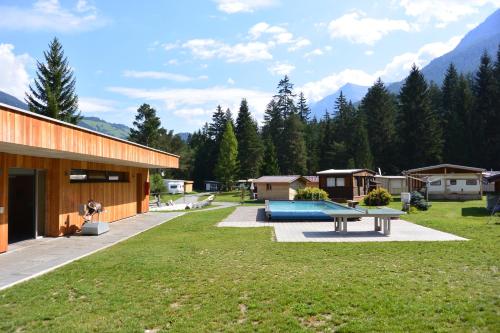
418,200
157,184
378,197
311,193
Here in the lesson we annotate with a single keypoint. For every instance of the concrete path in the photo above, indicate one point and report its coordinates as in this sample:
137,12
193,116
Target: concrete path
359,231
190,198
32,258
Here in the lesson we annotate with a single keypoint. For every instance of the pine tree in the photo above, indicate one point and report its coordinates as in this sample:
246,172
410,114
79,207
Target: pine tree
217,126
495,140
270,165
226,168
294,148
359,145
53,91
249,144
146,127
303,109
379,108
330,149
420,133
284,98
313,139
486,131
462,140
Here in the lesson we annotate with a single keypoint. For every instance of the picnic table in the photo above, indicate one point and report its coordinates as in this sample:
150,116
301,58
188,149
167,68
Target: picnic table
381,217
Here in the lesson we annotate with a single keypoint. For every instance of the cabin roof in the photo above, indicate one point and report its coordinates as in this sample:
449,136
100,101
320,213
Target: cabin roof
445,165
342,171
312,179
278,179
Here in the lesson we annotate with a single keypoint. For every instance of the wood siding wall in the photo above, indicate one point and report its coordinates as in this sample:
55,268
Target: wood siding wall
279,191
350,190
120,200
20,128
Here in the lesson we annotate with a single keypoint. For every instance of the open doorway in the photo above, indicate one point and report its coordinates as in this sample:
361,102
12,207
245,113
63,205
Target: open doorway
26,211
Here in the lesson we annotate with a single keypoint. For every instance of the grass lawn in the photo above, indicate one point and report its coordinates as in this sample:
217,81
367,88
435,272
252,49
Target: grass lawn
189,276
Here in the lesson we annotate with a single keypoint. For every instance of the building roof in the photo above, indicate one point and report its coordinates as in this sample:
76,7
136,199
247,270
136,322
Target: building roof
390,177
312,179
27,133
278,179
492,176
445,165
342,171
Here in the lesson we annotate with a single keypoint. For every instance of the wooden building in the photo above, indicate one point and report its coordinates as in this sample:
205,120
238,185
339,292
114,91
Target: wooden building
188,186
312,181
346,184
278,187
447,181
393,184
48,168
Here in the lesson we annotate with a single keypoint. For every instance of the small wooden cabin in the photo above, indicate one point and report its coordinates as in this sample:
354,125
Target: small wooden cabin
346,184
312,181
278,187
48,168
393,184
447,181
188,186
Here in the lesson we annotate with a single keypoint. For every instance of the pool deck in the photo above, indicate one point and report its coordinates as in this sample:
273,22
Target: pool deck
359,231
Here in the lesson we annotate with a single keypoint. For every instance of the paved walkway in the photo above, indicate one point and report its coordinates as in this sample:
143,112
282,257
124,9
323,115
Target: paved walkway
359,231
32,258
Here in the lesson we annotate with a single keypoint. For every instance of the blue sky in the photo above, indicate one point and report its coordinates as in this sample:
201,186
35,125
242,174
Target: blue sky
185,57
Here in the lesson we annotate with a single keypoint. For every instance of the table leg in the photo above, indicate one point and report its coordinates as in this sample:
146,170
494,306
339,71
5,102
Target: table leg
378,223
344,224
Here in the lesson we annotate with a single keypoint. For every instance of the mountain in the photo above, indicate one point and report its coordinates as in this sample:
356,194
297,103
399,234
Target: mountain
184,136
11,100
351,91
99,125
466,55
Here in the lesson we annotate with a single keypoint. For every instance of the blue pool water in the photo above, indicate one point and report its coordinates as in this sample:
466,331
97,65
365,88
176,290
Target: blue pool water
302,210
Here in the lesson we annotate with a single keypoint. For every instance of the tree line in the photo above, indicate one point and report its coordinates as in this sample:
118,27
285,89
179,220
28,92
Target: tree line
425,123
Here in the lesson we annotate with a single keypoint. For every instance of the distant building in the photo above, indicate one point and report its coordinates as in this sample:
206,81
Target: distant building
279,187
394,184
212,186
346,184
188,186
492,179
447,181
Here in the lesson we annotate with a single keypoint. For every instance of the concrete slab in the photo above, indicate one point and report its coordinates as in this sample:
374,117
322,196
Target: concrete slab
26,260
358,231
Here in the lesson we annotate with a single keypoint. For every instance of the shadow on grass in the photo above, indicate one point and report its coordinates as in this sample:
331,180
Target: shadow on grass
475,211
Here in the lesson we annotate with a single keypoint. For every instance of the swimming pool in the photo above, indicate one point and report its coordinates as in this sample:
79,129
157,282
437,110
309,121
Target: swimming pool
307,210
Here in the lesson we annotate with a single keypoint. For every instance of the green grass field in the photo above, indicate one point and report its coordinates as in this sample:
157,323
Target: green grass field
190,276
231,196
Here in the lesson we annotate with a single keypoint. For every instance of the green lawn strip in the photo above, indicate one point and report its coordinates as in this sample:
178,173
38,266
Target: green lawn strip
189,276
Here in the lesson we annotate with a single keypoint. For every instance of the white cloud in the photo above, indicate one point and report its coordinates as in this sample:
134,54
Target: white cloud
313,53
400,65
173,62
161,76
14,78
278,35
300,43
279,68
241,52
231,81
316,90
369,52
170,46
360,29
206,98
96,105
49,15
443,12
237,6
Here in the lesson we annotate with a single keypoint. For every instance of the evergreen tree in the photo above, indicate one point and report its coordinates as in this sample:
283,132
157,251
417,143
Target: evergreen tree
459,124
249,144
359,145
201,144
379,108
217,126
485,113
53,91
284,98
269,162
420,133
302,108
146,127
495,154
313,140
226,168
330,149
294,149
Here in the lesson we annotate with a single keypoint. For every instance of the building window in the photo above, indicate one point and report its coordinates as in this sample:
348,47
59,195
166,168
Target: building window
97,176
436,183
269,187
453,182
340,181
471,182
